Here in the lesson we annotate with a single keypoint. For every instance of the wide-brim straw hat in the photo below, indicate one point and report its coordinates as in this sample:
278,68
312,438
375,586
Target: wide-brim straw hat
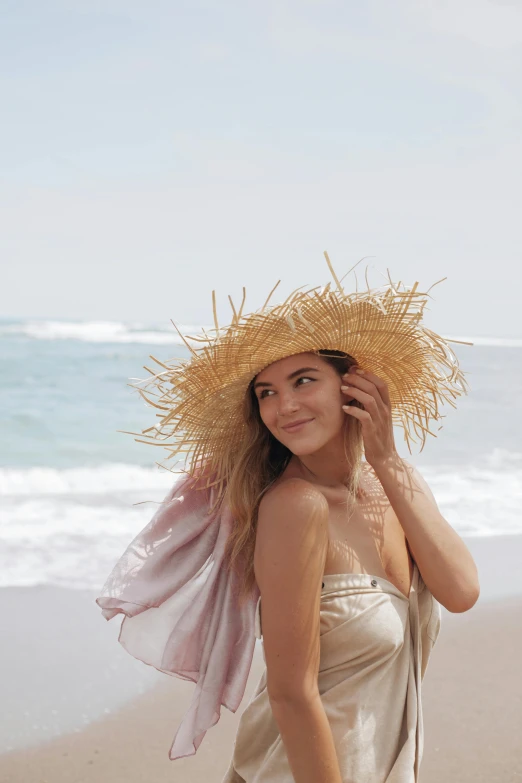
200,400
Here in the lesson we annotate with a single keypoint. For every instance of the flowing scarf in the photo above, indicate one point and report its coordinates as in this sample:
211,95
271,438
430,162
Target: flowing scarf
181,608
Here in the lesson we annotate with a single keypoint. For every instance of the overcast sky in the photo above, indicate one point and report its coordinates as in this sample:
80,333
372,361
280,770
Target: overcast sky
152,151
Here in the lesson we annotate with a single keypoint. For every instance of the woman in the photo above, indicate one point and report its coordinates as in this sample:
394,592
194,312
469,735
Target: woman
336,561
312,555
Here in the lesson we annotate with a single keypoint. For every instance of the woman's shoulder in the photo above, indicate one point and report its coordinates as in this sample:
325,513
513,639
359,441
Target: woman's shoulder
289,488
292,493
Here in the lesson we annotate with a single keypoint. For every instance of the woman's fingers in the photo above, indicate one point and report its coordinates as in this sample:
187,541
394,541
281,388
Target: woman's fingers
368,400
376,417
363,416
370,383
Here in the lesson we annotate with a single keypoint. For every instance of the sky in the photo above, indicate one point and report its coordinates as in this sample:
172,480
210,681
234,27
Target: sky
151,152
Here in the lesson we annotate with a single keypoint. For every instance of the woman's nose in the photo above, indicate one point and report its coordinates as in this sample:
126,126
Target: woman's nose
287,404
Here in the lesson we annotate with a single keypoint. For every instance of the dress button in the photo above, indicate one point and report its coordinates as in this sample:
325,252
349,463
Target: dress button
374,582
323,584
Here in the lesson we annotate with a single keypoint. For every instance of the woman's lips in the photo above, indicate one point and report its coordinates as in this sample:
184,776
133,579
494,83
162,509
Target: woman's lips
297,426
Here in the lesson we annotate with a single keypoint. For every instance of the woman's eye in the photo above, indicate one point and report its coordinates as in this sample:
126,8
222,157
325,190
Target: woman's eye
302,378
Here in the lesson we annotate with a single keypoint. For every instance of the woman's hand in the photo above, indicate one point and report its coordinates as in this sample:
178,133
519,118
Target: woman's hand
376,420
444,561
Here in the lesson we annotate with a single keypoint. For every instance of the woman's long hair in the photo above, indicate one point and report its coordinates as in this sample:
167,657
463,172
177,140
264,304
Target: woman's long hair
262,459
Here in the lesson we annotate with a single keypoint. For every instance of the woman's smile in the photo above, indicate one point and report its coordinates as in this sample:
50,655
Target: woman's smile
296,426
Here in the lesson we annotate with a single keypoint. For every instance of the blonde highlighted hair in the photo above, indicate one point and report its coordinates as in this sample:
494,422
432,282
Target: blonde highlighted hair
260,461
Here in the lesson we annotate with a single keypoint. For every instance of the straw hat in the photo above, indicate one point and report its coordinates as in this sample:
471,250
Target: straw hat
200,400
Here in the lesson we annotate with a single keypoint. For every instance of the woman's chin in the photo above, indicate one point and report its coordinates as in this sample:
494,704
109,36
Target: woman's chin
306,446
303,449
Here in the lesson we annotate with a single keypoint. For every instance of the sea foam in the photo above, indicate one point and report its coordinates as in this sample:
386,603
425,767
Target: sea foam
68,527
103,331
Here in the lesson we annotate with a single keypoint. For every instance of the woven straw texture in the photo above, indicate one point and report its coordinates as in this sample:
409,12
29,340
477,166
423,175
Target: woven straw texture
199,400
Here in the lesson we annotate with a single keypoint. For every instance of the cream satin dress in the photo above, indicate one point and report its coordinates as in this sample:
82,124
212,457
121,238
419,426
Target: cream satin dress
375,646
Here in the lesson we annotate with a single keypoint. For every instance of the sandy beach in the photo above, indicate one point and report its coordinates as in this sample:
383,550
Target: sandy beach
78,709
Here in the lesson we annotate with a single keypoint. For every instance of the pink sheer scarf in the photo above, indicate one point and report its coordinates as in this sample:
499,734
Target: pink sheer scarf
181,610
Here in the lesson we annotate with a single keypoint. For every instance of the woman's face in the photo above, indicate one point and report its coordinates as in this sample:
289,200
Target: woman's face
304,391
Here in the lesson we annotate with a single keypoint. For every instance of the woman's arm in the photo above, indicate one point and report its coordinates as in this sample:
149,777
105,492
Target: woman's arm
307,738
446,565
444,560
290,552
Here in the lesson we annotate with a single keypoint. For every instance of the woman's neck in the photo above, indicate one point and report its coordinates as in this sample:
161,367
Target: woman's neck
328,467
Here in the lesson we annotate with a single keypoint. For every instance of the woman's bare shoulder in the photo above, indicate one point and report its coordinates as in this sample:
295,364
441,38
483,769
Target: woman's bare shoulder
289,490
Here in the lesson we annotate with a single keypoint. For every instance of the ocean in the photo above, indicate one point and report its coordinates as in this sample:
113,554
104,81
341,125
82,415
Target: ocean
69,482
